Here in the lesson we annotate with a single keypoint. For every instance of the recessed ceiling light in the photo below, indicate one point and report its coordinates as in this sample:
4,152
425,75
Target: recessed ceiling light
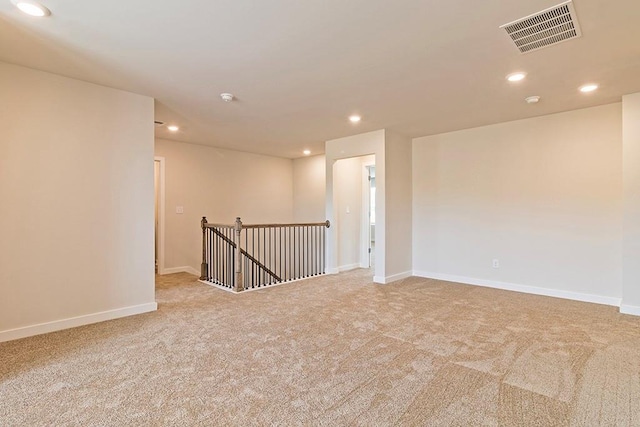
32,8
306,152
355,119
588,88
173,128
516,77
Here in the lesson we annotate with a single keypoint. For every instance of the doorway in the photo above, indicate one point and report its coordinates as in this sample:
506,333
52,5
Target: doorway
368,215
158,183
371,219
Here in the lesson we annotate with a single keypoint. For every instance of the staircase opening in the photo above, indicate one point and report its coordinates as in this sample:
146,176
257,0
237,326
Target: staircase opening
240,257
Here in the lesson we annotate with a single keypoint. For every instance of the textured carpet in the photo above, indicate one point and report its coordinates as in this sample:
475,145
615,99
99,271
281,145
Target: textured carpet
337,350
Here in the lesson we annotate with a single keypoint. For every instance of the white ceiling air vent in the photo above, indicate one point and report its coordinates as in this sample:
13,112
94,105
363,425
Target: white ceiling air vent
551,26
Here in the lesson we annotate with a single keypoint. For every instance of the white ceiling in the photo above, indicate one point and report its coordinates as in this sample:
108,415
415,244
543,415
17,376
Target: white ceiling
300,68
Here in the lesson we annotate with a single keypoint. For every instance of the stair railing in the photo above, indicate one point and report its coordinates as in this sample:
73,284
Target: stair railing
240,257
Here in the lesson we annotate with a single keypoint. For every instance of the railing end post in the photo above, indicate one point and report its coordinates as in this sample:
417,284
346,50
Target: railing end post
238,257
204,267
239,282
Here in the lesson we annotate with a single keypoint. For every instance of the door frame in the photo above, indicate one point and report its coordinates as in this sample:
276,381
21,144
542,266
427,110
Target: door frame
365,225
161,211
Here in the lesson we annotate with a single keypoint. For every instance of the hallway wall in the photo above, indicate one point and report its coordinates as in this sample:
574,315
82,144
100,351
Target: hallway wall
221,185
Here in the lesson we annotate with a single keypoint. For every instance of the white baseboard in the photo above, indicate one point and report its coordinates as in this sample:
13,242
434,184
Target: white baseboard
556,293
72,322
215,285
348,267
185,269
393,278
332,270
630,309
399,276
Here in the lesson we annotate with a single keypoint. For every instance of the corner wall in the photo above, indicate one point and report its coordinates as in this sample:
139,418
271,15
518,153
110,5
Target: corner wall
543,196
398,155
631,210
76,184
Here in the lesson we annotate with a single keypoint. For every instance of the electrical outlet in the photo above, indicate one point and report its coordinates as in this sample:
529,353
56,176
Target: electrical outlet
496,263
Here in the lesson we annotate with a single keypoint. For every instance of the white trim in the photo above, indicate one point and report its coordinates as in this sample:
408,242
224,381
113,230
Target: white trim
332,270
73,322
630,309
379,279
215,285
161,216
223,288
185,269
365,218
396,277
348,267
556,293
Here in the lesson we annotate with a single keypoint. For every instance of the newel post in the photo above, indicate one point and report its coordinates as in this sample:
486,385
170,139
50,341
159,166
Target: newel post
204,267
238,266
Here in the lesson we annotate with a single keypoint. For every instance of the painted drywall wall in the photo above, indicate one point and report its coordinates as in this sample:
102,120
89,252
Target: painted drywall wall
309,189
631,209
370,143
542,195
398,151
221,185
347,174
76,184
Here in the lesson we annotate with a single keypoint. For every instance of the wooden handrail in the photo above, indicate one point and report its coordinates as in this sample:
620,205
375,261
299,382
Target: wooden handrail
300,224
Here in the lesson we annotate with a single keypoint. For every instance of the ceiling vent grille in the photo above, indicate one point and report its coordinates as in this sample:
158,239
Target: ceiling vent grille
551,26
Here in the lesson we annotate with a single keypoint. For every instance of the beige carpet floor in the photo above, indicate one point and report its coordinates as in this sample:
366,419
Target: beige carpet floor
332,351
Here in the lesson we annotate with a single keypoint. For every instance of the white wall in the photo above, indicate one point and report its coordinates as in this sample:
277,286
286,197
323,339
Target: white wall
631,221
542,195
309,189
76,184
347,175
398,206
221,185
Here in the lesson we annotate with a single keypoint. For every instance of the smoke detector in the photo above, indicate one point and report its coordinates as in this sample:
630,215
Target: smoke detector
227,97
545,28
532,99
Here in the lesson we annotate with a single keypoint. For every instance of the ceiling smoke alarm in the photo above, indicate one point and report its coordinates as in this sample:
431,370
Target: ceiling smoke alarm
532,99
226,97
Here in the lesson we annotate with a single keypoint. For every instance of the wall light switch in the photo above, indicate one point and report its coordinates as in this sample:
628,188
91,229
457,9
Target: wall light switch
496,263
179,209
